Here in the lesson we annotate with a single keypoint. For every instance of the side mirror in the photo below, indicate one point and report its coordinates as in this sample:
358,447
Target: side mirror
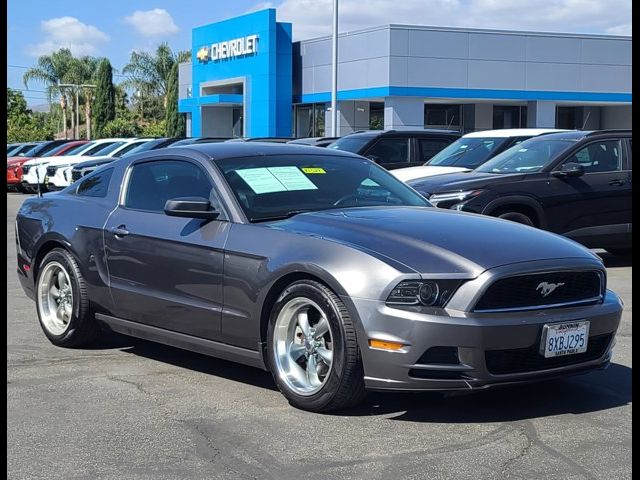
569,169
190,207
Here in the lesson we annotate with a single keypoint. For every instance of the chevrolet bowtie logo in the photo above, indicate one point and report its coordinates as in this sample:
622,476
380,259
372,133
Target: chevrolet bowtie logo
203,54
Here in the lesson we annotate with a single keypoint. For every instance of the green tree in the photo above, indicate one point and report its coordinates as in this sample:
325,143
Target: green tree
105,100
23,125
155,129
51,70
149,72
121,127
175,120
16,103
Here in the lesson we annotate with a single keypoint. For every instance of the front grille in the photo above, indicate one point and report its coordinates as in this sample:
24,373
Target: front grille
76,175
51,171
25,169
521,360
542,290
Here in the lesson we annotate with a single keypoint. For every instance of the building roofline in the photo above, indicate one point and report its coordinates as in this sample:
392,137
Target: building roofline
591,36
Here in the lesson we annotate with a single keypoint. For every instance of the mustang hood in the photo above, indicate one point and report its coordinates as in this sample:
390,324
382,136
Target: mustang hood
429,240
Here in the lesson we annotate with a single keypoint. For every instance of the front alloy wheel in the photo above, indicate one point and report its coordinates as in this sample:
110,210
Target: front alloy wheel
313,350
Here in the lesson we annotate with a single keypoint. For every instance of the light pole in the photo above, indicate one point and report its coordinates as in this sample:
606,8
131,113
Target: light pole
77,88
334,73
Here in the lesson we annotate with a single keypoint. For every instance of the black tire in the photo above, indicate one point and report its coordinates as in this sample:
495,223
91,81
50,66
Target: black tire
344,387
620,252
517,217
83,328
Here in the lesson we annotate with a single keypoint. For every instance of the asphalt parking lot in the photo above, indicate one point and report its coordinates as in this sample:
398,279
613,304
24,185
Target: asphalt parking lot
132,409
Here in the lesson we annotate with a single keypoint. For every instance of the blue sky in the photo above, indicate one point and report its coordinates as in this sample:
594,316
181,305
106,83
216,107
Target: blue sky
114,28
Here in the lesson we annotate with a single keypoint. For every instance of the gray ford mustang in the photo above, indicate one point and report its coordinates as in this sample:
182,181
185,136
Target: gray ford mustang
318,266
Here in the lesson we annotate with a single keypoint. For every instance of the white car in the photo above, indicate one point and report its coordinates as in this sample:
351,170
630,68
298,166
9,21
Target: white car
58,171
470,151
34,170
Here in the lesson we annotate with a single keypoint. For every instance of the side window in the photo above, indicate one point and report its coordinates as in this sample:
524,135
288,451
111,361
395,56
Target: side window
429,147
96,185
151,184
604,156
390,150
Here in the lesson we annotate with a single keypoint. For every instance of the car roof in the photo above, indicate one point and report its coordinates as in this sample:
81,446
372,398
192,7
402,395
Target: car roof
416,131
576,135
225,150
513,132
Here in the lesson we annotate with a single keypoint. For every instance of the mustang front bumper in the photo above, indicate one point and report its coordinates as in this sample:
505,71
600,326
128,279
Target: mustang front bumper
475,350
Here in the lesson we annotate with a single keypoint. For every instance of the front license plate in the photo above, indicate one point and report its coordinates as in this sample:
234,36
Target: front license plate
564,339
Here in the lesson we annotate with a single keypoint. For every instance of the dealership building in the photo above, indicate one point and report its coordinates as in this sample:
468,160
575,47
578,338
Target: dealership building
248,78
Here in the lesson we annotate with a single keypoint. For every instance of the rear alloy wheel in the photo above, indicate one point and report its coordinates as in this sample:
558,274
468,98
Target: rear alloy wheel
312,349
517,217
62,302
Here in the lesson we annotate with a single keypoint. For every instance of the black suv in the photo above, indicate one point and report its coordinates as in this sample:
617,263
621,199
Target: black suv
393,149
575,183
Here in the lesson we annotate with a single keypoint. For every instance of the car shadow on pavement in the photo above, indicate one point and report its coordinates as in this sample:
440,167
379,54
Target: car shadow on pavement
188,360
590,392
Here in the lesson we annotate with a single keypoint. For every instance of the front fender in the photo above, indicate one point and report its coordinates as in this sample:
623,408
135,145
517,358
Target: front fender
517,200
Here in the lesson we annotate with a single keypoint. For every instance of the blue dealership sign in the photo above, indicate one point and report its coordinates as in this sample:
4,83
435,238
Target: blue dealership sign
244,60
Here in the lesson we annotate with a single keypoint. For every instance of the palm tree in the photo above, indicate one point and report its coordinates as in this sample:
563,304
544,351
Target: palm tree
52,70
83,71
149,73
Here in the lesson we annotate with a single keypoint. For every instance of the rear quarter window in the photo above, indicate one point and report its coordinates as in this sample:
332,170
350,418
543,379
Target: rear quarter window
95,185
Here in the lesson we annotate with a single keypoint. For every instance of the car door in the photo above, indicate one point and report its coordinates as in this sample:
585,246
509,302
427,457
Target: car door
166,271
598,202
391,152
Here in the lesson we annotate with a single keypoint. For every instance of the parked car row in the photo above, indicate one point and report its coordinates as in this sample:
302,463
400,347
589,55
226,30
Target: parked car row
326,270
575,183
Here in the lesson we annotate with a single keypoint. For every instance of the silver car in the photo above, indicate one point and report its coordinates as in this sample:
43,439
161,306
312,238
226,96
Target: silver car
317,265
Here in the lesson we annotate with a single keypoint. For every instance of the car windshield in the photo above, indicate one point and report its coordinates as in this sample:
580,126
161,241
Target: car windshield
276,187
55,151
467,152
128,149
103,148
74,150
350,143
529,156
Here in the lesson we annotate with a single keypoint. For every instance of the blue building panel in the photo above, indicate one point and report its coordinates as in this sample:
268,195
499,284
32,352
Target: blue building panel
254,50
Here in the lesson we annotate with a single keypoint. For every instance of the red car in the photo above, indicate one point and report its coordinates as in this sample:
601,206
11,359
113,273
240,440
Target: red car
14,164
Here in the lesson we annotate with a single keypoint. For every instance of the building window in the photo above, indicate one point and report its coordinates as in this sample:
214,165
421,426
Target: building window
568,118
443,116
509,116
376,115
310,120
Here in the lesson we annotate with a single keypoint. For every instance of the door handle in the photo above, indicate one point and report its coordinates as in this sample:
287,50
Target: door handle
119,231
617,182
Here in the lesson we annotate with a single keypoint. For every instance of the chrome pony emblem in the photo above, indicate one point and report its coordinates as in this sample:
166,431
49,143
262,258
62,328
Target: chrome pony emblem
546,288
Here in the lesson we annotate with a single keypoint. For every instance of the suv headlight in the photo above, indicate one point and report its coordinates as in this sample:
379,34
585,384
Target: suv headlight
447,199
430,293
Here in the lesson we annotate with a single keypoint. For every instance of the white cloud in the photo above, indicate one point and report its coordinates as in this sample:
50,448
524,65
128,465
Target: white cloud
71,33
152,23
312,18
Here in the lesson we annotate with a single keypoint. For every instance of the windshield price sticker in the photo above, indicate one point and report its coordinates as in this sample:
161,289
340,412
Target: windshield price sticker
313,170
275,179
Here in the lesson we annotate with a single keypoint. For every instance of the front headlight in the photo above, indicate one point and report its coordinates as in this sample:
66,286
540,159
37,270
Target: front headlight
430,293
445,200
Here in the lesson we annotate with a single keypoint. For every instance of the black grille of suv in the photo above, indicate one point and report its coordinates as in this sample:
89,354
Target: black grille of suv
542,290
521,360
51,171
76,175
